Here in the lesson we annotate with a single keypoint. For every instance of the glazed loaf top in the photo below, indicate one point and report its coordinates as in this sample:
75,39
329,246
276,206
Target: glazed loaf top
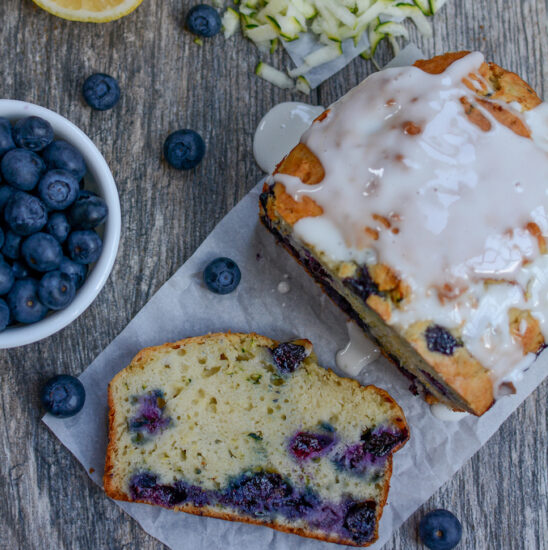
434,178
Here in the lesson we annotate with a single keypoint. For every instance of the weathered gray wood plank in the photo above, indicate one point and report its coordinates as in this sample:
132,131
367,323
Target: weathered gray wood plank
47,500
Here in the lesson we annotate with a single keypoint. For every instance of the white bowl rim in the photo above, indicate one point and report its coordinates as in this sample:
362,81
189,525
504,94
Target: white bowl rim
64,129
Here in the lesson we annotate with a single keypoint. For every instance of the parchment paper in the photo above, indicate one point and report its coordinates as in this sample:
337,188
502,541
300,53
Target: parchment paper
183,307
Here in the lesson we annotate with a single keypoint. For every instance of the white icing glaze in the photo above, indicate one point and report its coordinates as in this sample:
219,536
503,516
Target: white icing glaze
458,200
283,287
359,352
441,412
280,130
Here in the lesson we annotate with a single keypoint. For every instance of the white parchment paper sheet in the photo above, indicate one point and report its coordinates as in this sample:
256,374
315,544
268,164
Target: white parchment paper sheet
184,307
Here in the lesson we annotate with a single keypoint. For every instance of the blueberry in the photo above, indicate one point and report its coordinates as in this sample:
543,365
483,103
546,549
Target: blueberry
64,156
145,487
6,191
23,302
288,356
101,91
88,211
360,520
58,189
150,416
6,137
7,278
362,285
222,275
25,214
12,245
77,272
58,226
440,340
22,169
4,315
203,20
84,246
33,133
440,530
56,290
63,396
304,445
42,252
184,149
20,270
2,237
380,442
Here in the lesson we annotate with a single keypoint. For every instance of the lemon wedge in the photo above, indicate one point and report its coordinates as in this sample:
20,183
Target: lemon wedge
91,11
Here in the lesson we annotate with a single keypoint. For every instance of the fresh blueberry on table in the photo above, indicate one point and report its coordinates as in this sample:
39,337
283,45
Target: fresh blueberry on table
84,246
101,91
440,530
222,275
22,169
33,133
4,315
6,136
42,252
58,226
63,396
7,278
64,156
20,270
77,272
203,20
2,237
184,149
58,189
88,211
12,245
25,307
25,214
56,290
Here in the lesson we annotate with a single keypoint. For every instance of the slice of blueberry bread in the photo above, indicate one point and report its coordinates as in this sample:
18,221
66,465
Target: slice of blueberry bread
240,427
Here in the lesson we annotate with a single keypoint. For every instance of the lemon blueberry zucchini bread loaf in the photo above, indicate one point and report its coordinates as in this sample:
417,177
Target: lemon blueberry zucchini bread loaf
239,427
418,202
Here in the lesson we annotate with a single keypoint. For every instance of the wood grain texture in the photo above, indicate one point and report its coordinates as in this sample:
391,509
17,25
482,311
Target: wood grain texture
168,82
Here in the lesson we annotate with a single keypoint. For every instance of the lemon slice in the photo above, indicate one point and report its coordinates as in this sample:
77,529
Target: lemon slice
92,11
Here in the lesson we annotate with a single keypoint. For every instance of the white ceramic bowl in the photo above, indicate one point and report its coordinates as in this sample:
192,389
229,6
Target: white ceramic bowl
98,178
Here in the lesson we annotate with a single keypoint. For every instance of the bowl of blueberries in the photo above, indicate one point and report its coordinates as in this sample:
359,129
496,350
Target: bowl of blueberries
59,222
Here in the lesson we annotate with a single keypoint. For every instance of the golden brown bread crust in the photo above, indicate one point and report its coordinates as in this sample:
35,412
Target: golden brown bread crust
462,372
140,361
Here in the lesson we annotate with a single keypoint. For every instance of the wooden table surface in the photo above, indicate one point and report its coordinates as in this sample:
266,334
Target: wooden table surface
47,500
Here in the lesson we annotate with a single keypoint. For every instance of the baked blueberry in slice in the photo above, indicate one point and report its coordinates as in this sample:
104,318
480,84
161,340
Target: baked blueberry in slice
360,521
33,133
440,530
380,442
184,149
7,278
56,290
88,211
23,302
6,136
288,356
222,276
42,252
63,396
101,91
77,272
203,20
12,245
305,445
25,214
22,169
440,340
84,246
64,156
4,315
58,189
58,226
